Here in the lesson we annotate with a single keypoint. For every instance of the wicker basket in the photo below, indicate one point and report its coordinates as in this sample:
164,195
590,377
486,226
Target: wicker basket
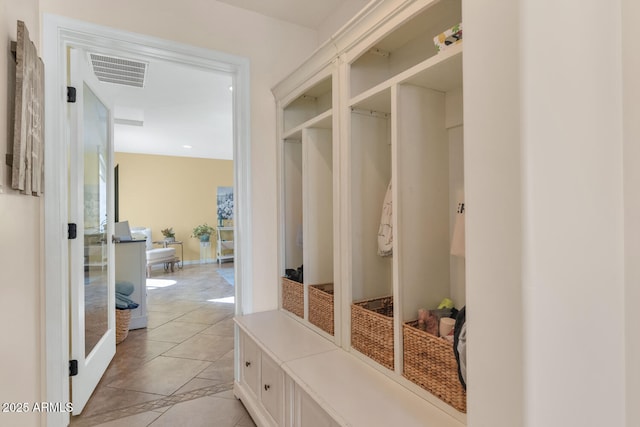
293,296
321,306
429,362
372,329
123,319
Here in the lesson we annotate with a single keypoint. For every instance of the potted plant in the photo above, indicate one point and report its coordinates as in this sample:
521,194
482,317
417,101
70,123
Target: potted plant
169,234
203,232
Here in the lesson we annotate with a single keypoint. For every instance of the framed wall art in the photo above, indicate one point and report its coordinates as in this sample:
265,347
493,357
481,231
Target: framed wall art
27,158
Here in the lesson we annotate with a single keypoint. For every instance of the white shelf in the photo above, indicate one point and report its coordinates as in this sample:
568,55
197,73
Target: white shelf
321,121
314,102
442,72
224,244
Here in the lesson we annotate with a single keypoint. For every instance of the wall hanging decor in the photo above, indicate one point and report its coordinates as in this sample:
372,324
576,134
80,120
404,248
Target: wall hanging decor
27,158
225,206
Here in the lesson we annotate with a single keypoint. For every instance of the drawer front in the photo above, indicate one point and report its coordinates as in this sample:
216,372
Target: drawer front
272,389
250,364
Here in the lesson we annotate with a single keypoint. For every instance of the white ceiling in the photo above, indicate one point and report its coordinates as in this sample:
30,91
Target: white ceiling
307,13
183,106
185,112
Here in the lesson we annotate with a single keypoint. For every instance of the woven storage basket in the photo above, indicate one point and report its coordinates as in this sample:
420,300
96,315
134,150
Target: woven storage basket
429,362
123,319
293,296
372,329
321,306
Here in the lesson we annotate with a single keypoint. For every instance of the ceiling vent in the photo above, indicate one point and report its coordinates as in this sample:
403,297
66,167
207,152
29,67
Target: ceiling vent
110,69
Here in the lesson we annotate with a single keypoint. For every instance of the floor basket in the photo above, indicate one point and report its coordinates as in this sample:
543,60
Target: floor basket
372,329
293,297
429,362
321,306
123,318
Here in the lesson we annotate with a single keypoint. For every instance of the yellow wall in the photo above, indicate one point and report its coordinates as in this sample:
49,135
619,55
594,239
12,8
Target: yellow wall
180,192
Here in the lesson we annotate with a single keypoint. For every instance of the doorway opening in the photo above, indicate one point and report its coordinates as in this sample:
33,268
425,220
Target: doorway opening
60,34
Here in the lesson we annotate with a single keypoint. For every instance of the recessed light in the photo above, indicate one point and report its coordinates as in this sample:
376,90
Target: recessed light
231,88
187,146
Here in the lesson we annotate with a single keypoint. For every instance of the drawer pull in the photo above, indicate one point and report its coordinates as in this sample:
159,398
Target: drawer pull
267,387
247,364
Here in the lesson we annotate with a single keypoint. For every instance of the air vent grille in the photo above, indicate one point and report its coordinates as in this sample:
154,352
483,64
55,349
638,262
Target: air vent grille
120,71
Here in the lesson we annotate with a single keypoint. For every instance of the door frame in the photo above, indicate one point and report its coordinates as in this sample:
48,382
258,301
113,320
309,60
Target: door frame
58,34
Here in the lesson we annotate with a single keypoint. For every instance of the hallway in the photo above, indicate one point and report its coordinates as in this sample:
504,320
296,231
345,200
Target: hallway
179,370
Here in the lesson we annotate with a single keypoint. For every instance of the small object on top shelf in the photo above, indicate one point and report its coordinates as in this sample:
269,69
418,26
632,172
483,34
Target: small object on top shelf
450,37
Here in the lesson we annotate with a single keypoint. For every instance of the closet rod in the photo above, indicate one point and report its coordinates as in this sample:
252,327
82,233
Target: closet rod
371,113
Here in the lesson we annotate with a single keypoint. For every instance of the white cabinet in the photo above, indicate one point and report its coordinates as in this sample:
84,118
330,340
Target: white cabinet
304,380
131,261
263,382
379,106
261,385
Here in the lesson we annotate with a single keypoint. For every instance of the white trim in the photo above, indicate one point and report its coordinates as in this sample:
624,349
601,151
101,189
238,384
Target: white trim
58,34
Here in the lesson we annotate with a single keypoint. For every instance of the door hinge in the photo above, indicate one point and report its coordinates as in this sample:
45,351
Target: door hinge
71,94
73,368
72,231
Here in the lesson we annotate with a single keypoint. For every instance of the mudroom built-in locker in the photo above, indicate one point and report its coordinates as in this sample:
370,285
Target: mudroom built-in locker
371,148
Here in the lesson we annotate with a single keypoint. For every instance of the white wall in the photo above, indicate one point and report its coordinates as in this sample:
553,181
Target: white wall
20,248
273,48
544,186
335,21
631,93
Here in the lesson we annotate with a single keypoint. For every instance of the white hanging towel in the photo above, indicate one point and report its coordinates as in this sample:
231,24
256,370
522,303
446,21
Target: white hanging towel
385,231
457,240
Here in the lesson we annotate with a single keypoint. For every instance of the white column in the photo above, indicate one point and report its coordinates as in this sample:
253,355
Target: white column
631,95
545,213
493,213
573,213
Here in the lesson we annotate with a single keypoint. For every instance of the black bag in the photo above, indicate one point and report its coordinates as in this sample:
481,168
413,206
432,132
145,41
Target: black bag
295,275
457,329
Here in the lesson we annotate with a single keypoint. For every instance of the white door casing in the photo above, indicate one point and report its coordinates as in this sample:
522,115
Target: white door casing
60,33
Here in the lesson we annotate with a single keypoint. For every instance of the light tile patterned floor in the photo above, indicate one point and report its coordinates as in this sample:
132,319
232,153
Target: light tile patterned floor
179,370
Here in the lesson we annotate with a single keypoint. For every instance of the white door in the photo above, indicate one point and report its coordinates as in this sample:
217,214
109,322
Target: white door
92,289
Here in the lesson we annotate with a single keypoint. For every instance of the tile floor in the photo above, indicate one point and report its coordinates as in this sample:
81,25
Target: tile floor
179,370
